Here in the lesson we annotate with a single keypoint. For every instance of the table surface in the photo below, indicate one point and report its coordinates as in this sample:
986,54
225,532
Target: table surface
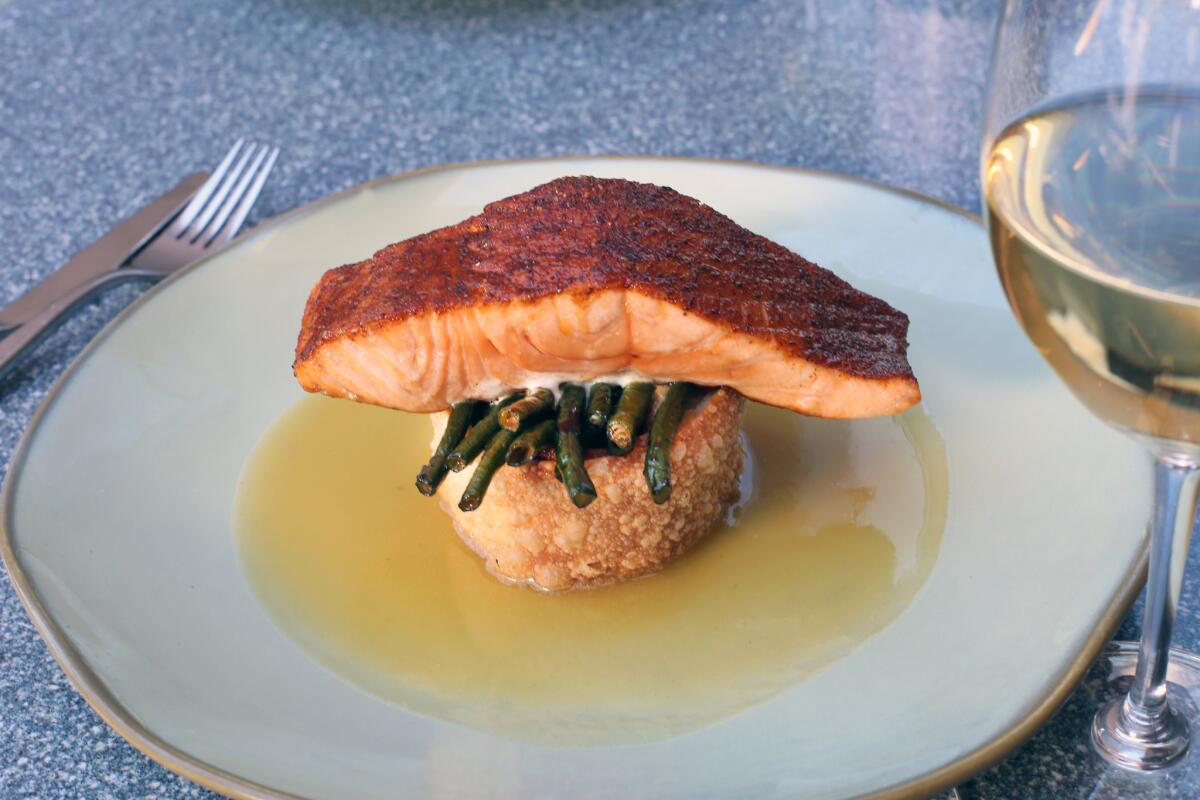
104,105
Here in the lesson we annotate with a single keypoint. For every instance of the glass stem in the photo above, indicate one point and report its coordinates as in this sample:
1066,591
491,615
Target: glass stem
1176,490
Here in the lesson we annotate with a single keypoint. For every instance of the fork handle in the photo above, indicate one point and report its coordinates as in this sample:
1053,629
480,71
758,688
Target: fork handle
102,256
26,336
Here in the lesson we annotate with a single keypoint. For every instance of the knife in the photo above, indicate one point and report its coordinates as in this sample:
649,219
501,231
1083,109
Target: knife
105,255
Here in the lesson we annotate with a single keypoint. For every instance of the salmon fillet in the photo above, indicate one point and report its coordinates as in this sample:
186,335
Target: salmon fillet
586,277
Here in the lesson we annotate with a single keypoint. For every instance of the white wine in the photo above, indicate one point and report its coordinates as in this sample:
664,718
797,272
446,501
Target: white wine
1094,216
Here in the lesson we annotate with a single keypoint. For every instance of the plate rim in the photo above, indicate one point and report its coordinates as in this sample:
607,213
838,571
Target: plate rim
98,696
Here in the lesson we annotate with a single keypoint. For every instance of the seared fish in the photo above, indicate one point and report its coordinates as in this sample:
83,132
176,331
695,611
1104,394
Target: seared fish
583,278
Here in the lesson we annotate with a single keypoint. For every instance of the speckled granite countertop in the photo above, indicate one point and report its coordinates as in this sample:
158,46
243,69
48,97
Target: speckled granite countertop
104,105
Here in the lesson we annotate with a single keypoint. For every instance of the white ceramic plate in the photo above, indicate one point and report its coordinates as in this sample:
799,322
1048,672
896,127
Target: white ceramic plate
118,508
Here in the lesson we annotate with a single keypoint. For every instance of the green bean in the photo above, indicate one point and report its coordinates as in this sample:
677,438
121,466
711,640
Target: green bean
491,460
570,408
569,453
530,442
433,472
602,397
530,408
569,460
629,416
657,467
478,437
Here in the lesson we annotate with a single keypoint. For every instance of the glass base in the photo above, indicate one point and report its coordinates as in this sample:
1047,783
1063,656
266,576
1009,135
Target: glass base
1040,773
1121,744
1150,767
1124,745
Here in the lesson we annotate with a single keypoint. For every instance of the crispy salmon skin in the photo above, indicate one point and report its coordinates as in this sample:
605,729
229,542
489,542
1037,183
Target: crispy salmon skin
585,277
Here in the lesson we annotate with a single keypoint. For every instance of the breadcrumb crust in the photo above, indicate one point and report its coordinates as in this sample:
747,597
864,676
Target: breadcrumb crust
527,530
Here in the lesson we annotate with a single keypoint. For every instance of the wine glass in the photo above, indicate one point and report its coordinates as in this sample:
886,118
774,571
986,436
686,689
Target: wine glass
1091,178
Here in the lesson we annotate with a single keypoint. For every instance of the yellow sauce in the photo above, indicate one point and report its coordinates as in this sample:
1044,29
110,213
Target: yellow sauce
839,526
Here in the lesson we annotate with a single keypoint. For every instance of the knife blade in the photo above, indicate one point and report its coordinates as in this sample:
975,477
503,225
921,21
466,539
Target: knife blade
104,255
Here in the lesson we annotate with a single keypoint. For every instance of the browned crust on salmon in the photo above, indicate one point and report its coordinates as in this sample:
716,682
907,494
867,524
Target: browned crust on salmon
582,235
527,531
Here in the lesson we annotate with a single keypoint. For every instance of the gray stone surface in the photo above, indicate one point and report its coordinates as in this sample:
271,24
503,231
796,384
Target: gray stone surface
105,104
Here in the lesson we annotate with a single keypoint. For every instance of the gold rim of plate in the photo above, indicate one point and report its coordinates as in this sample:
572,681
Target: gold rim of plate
102,701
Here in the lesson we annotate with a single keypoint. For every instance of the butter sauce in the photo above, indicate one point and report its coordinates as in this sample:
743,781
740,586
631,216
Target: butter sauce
839,527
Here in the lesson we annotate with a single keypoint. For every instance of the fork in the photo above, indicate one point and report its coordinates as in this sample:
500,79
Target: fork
214,215
206,224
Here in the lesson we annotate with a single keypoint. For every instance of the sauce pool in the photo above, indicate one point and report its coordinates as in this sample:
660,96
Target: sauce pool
838,528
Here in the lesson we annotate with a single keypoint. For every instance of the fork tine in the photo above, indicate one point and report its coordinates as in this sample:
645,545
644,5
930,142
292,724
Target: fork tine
180,223
243,208
193,231
214,227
